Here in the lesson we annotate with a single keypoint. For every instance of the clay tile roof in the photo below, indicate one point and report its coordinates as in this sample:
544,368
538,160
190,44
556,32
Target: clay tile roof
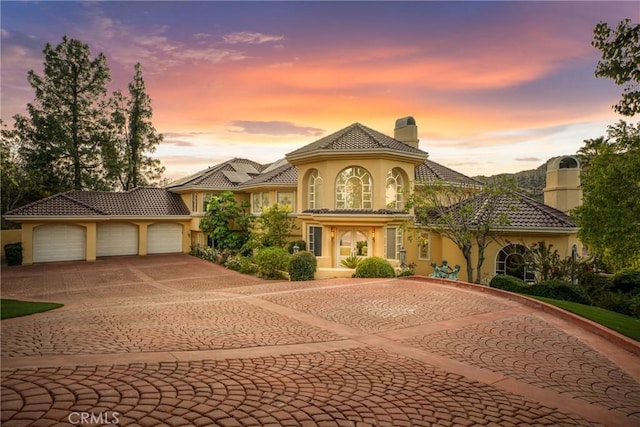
287,174
57,205
141,201
356,137
224,176
522,211
430,171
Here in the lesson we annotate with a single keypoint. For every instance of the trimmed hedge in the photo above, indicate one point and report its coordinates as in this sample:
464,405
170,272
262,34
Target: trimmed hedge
13,253
302,266
374,267
556,289
271,261
507,283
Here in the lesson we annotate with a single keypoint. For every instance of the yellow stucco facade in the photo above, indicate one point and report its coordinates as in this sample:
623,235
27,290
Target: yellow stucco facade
348,200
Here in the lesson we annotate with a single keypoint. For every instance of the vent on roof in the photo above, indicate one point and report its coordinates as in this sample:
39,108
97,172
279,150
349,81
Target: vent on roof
236,177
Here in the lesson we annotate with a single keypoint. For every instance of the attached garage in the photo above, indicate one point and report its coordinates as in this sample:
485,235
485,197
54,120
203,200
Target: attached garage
164,238
116,239
59,242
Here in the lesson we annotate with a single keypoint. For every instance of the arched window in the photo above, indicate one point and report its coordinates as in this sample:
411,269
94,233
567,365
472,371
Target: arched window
395,190
354,189
512,260
314,190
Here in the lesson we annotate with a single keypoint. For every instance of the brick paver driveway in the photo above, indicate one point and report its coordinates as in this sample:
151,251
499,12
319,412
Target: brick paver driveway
173,340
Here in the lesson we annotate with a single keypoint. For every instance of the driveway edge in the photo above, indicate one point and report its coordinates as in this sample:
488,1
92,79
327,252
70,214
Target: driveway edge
610,335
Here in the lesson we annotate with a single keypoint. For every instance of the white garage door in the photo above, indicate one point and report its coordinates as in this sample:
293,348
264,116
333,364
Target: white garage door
116,239
59,242
164,238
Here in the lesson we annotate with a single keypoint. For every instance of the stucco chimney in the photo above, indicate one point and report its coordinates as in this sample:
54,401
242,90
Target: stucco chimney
407,131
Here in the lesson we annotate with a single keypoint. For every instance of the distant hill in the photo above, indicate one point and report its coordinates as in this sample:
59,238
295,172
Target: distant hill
531,182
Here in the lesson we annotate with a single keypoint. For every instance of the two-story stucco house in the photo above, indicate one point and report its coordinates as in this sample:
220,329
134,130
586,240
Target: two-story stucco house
346,190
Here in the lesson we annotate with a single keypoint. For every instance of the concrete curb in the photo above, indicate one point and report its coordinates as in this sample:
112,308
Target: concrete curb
610,335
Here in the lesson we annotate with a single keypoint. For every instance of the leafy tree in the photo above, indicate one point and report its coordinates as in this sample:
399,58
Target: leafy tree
469,216
608,216
273,227
137,137
65,135
620,48
226,223
547,263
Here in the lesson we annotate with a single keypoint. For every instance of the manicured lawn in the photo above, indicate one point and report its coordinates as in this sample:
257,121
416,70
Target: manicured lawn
626,325
13,308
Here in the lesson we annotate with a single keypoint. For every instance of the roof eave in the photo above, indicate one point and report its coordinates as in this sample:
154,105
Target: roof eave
267,185
301,158
39,218
187,188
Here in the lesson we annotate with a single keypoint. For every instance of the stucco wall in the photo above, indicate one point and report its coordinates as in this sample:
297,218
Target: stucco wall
10,236
444,249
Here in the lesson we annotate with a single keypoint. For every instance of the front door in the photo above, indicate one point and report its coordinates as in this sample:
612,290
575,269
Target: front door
352,242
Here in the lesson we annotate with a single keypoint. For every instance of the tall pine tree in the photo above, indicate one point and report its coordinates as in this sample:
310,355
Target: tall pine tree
65,138
138,137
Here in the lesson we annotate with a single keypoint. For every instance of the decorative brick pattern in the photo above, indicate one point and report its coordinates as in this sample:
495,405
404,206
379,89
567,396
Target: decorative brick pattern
361,387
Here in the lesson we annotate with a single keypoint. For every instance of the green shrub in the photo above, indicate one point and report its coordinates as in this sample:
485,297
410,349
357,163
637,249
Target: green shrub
351,261
406,270
13,252
272,261
619,302
558,289
302,245
302,266
241,264
626,281
374,267
208,254
593,283
508,283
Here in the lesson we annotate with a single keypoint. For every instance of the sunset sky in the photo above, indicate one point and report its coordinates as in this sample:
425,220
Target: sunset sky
494,86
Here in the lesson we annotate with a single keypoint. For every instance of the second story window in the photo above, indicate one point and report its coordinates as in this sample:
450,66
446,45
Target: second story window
259,201
194,202
394,190
314,190
285,198
354,189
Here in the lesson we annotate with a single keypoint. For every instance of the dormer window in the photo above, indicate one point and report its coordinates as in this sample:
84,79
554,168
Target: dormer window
354,189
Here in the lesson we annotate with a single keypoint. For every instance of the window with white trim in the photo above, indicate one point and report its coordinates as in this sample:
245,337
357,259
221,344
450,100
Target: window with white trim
285,198
394,192
259,201
314,240
314,190
514,260
354,189
393,242
194,202
424,246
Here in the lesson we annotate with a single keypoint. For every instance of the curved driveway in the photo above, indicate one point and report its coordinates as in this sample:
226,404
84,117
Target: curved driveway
174,340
